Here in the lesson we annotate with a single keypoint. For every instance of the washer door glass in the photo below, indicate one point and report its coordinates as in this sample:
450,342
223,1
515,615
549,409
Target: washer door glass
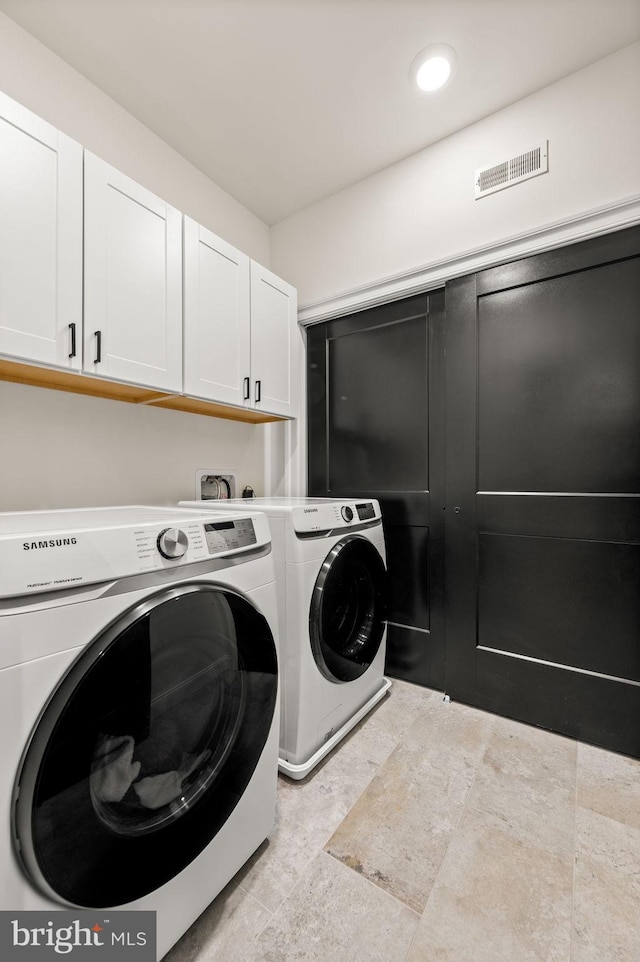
146,746
346,620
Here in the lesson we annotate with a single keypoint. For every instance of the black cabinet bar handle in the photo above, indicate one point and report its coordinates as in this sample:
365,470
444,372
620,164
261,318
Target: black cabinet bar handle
98,356
246,389
258,391
72,329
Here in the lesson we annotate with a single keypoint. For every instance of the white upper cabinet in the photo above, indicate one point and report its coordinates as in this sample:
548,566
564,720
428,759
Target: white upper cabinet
91,280
273,343
216,318
40,240
133,281
239,327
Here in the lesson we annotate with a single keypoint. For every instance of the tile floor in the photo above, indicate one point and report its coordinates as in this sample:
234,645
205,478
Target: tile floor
439,833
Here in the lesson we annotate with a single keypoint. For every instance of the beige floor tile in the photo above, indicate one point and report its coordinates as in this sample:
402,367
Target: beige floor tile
607,890
609,784
436,804
527,779
336,916
499,897
397,833
450,730
308,812
378,734
224,931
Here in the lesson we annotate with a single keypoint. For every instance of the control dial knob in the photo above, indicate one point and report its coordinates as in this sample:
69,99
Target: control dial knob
172,543
347,512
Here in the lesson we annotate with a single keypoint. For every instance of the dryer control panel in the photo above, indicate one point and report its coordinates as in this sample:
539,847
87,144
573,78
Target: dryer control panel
57,550
224,535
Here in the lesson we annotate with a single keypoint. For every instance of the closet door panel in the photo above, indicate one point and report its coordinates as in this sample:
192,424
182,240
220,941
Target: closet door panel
376,429
543,491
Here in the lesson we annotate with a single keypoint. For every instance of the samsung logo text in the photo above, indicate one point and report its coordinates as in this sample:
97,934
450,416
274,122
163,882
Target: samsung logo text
50,543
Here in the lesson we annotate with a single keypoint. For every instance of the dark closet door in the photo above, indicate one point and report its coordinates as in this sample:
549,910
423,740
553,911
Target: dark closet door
543,490
376,429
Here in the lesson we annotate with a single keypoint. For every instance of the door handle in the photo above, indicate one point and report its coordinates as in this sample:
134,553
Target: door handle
98,356
246,389
258,391
72,331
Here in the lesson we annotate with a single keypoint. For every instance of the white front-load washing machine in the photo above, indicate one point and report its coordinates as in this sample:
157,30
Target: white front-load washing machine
330,564
138,707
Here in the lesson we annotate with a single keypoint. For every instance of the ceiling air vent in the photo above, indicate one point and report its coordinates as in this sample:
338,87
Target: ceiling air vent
528,164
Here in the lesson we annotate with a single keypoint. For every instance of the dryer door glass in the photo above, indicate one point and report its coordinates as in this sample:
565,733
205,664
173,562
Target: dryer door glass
146,746
346,620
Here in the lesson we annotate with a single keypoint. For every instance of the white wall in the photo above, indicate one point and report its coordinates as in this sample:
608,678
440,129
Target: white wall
41,81
422,210
61,450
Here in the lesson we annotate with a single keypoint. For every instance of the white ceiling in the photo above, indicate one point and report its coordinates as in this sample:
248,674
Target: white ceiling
285,102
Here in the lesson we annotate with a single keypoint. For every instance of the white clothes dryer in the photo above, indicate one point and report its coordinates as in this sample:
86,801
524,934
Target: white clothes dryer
330,564
138,707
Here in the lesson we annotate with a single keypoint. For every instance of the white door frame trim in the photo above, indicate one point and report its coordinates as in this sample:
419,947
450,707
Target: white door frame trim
600,220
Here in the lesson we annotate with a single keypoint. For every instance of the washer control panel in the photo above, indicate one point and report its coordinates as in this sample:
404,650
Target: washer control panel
325,514
366,511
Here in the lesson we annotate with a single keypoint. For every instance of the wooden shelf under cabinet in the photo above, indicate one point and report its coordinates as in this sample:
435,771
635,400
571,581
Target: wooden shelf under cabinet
114,390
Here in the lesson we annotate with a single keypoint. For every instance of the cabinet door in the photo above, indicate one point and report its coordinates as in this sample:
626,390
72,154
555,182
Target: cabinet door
133,281
216,318
273,343
40,240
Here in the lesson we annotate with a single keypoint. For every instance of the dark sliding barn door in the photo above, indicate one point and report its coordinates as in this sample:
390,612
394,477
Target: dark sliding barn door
376,422
543,490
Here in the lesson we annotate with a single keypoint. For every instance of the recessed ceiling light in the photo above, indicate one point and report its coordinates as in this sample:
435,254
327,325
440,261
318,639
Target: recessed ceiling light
434,67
